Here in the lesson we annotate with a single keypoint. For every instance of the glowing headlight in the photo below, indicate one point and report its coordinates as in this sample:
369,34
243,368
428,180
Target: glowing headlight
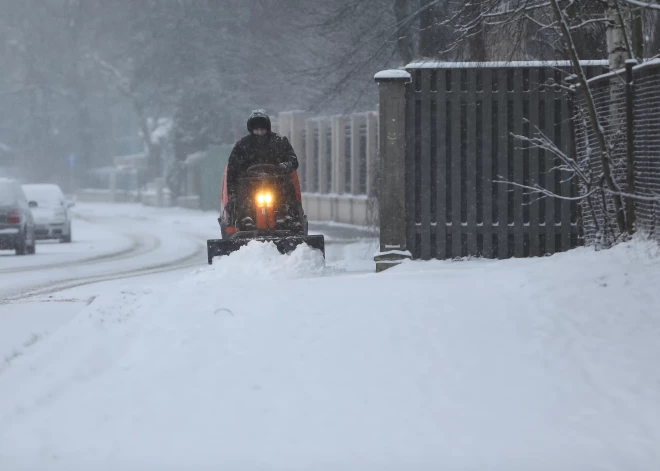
264,198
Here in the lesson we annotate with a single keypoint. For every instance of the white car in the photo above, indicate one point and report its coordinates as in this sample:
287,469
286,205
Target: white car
50,210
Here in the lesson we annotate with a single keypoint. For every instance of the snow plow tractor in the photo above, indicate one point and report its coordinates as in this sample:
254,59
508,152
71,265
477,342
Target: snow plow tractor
268,207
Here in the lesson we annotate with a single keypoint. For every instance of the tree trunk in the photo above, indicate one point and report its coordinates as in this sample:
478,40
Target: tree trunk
427,37
638,34
477,47
153,157
593,116
476,40
653,19
403,42
85,136
617,52
588,40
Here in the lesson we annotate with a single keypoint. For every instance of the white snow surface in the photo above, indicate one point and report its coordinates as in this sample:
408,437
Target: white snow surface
392,74
432,64
263,362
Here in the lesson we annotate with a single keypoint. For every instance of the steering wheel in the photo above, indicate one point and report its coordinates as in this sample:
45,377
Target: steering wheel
264,170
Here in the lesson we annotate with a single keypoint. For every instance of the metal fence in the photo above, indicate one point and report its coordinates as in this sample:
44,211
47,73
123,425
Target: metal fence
336,154
646,112
338,159
460,125
628,107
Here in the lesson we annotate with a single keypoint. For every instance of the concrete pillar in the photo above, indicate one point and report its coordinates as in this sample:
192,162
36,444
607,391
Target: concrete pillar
372,152
392,192
298,142
338,154
311,158
322,163
356,123
284,124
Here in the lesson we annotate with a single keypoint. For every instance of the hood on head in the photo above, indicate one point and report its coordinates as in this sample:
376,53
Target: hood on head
258,118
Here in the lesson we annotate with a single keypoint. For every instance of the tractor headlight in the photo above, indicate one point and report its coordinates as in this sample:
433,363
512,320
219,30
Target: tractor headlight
264,198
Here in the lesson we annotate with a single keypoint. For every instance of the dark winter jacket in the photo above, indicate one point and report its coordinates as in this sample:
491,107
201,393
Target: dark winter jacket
269,149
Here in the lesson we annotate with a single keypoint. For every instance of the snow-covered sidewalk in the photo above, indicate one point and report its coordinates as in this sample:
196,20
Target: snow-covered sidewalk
264,361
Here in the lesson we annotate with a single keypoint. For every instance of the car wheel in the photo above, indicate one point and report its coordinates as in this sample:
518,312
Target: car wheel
31,249
21,245
67,238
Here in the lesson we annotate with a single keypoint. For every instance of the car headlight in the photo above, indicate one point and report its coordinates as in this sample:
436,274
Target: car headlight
264,198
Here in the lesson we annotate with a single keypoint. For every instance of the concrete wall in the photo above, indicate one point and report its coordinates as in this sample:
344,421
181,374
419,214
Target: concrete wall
338,160
345,209
338,157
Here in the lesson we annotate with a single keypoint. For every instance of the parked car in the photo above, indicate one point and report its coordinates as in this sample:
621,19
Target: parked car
51,211
16,220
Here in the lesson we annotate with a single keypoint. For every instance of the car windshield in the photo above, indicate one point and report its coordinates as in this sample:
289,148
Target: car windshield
6,193
44,195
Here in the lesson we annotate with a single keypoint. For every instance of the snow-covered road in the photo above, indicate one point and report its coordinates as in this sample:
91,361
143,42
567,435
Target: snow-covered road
130,245
264,362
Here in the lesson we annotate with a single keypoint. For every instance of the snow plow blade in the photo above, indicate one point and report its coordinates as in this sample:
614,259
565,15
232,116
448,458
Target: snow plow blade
285,244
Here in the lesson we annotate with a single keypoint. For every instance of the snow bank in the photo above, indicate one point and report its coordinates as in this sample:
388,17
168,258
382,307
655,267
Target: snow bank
262,261
546,363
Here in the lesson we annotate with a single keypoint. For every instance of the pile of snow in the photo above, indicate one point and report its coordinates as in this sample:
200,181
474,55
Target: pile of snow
262,261
268,362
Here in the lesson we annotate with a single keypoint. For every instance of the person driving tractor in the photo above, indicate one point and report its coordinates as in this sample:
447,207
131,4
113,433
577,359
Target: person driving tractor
261,146
260,200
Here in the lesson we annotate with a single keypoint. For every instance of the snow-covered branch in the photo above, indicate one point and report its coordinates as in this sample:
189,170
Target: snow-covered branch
594,122
512,12
633,197
122,82
638,3
544,142
590,22
537,189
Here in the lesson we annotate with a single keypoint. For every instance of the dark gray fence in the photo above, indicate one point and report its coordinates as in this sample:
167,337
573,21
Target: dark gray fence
646,125
460,122
628,108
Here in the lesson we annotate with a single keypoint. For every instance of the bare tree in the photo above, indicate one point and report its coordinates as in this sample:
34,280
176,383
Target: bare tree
621,22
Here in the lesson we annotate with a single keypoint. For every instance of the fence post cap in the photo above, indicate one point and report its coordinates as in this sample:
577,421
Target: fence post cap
391,75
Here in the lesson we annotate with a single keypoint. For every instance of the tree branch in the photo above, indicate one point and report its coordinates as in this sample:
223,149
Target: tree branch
537,189
596,127
652,6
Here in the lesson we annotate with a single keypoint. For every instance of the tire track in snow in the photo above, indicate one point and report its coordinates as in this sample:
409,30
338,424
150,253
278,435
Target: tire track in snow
190,260
136,247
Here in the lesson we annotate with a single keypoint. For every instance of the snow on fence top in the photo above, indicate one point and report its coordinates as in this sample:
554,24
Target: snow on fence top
650,63
486,65
392,74
619,72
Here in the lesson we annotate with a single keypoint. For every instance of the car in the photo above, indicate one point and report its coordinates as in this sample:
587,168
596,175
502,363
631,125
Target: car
17,228
51,211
